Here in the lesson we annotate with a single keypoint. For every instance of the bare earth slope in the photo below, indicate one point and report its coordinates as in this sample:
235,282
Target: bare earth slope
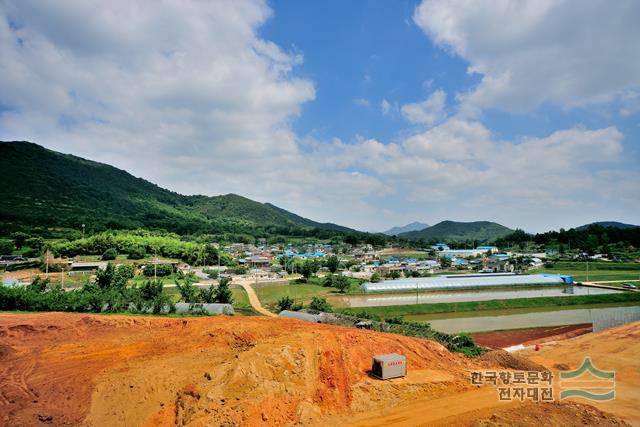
616,349
75,369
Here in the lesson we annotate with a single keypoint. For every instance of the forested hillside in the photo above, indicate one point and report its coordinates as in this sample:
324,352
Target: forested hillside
46,189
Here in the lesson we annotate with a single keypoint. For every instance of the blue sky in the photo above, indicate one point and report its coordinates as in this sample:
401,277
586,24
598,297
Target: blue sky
364,113
361,51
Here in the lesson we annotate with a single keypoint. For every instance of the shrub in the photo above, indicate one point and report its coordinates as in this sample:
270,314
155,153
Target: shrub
320,304
136,252
207,295
161,270
188,292
341,283
240,270
222,292
327,281
109,255
285,303
6,247
375,278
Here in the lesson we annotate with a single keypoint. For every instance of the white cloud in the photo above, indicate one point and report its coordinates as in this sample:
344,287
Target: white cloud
539,51
362,102
461,170
189,96
427,112
385,106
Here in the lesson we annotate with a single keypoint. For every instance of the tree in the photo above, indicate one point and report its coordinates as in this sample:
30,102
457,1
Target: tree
19,239
105,276
320,304
207,295
136,252
285,303
394,275
188,292
121,276
308,268
341,283
109,255
39,285
332,263
445,262
223,293
327,281
375,278
6,247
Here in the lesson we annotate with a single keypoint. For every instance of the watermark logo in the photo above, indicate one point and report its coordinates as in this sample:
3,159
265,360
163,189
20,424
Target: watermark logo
574,383
517,385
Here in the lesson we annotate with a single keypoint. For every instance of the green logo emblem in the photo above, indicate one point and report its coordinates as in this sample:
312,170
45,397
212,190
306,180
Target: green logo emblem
587,392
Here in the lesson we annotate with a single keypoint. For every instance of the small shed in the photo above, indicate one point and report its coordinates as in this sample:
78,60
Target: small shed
389,366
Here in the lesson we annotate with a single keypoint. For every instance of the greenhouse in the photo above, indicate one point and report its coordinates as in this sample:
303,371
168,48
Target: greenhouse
462,281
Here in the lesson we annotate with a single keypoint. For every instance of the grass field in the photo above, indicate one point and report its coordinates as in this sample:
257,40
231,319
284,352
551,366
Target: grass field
403,310
301,293
598,271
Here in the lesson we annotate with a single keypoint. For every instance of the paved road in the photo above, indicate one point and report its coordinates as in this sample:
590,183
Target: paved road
254,301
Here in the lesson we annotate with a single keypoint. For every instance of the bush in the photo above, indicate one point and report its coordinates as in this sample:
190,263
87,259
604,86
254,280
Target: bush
332,263
211,273
136,252
6,247
161,270
320,304
222,292
341,283
285,303
327,281
239,270
188,292
207,295
109,255
375,278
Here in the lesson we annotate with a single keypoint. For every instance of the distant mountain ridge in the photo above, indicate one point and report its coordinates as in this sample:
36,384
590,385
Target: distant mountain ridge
414,226
613,224
453,231
44,188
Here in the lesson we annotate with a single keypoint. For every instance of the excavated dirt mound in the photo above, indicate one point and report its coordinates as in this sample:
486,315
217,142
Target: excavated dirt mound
74,369
613,350
511,361
537,414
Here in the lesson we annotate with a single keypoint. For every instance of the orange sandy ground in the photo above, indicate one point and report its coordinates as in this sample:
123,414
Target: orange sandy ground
616,349
75,369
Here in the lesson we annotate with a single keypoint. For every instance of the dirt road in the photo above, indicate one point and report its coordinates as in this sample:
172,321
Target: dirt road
254,301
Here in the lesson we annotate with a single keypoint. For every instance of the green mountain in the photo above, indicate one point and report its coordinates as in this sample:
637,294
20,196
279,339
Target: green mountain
414,226
42,188
612,224
452,231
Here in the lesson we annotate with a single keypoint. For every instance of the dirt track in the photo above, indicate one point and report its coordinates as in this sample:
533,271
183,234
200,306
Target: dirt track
71,369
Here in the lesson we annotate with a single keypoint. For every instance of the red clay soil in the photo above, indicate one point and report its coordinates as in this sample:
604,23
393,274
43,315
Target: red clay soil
502,339
75,369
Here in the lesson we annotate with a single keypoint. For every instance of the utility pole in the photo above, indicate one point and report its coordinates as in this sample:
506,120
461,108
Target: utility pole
587,267
83,231
155,265
416,292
